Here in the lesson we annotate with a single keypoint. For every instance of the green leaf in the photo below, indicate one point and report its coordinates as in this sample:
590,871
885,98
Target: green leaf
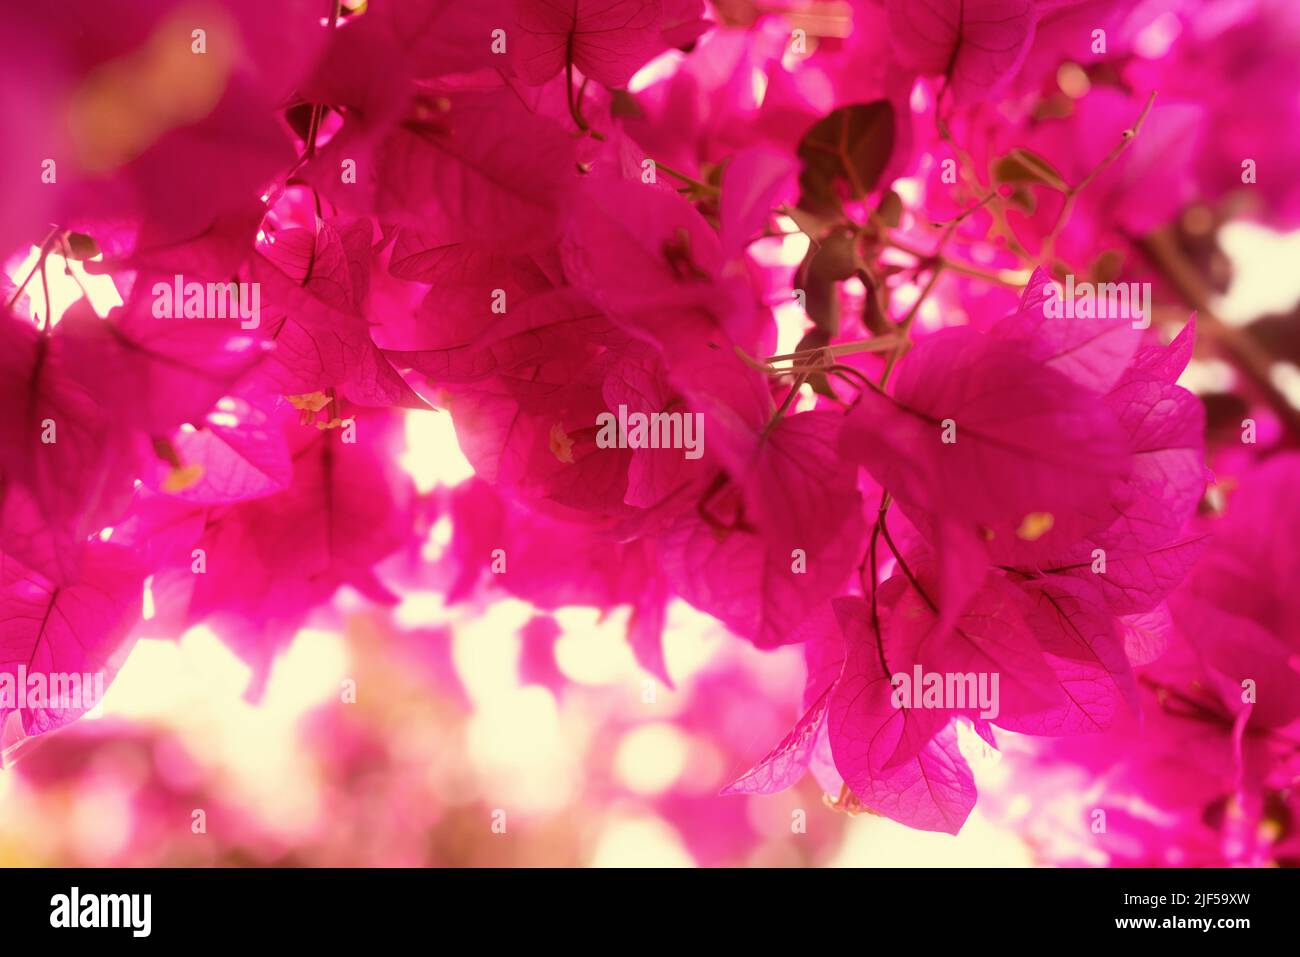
822,301
836,258
81,247
823,268
816,339
1023,166
844,154
623,103
812,226
874,317
890,209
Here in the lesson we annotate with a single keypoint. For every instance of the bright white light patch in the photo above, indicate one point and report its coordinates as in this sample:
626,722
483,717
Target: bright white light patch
432,456
1154,41
1264,277
64,290
651,758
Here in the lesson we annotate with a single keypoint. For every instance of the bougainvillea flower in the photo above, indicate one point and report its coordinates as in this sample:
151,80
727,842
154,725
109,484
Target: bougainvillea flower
896,339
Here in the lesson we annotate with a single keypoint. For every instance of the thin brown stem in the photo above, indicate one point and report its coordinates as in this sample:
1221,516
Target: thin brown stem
313,128
879,344
574,106
856,375
318,109
905,327
1072,194
44,251
1003,277
970,210
689,180
1240,348
902,564
881,509
45,291
785,405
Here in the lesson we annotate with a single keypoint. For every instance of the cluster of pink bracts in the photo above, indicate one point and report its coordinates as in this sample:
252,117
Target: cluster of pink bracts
474,207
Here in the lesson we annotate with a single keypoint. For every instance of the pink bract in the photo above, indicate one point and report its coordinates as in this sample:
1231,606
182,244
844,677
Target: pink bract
755,313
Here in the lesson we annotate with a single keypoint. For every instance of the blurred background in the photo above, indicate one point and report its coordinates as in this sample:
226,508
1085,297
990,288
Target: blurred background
427,735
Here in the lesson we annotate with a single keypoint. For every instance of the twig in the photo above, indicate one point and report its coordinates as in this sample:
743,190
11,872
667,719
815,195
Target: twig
950,223
1241,349
785,404
45,291
574,110
879,344
1072,194
318,109
905,326
875,609
1004,277
898,556
44,251
966,165
690,180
